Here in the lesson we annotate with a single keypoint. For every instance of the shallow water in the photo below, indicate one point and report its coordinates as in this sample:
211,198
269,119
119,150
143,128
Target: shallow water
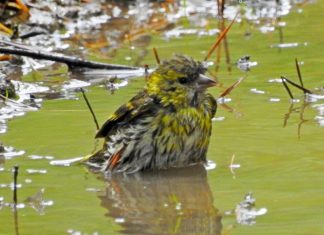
262,142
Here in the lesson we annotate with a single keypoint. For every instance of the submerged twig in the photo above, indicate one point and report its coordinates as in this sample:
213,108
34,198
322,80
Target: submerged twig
157,58
287,115
69,60
302,120
229,89
90,108
220,38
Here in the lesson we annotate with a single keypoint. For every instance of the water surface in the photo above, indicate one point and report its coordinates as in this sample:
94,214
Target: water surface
275,147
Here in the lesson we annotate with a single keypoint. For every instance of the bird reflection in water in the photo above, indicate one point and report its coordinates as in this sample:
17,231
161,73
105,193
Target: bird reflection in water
176,201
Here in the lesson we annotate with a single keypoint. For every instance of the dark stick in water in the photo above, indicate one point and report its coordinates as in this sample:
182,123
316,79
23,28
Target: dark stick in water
287,88
69,60
15,198
298,86
15,173
157,58
90,108
299,73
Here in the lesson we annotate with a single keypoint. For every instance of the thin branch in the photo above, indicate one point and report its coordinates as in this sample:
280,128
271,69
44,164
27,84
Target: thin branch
69,60
298,86
157,58
229,89
90,108
227,53
286,87
220,38
299,73
15,198
15,174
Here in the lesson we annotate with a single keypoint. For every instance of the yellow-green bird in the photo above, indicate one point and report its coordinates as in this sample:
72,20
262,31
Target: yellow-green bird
166,125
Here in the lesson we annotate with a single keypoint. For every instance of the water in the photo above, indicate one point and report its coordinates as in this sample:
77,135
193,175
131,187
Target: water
263,143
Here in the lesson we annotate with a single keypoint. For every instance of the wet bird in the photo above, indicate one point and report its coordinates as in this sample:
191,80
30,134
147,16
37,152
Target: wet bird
166,125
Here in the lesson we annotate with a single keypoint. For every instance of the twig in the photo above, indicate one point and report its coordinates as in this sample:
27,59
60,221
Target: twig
17,45
15,173
287,88
6,99
69,60
299,73
228,90
90,108
231,165
227,53
298,86
220,38
220,8
15,199
157,58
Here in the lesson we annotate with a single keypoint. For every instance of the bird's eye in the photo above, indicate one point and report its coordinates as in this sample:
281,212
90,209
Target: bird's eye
183,80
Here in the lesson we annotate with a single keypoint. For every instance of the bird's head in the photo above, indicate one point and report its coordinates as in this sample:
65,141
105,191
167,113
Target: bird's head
179,82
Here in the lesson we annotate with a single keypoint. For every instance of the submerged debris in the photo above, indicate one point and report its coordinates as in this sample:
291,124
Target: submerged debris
38,203
15,107
7,89
245,64
245,211
8,152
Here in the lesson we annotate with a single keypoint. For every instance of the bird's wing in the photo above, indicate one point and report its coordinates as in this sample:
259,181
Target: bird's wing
211,104
138,105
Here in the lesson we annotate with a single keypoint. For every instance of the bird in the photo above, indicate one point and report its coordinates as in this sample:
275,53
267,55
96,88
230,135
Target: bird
166,125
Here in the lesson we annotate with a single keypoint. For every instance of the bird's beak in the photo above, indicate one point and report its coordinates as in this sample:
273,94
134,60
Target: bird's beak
204,82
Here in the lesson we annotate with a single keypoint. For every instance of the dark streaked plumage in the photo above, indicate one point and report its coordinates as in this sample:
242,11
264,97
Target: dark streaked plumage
168,124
